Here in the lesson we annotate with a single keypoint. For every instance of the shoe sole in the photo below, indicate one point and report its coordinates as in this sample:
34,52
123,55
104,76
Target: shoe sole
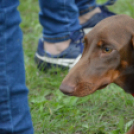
44,62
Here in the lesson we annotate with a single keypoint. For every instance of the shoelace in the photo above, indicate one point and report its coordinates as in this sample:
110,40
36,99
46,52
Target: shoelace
77,38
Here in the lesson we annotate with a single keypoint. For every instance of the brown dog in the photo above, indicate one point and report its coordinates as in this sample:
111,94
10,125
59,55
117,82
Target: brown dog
108,57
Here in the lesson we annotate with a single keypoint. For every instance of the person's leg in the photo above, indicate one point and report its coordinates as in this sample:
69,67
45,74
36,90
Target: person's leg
59,19
90,13
15,115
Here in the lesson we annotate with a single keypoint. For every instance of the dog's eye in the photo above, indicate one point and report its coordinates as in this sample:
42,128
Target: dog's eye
106,49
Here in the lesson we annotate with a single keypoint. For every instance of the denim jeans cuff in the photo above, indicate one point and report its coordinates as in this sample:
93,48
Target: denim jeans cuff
89,9
57,38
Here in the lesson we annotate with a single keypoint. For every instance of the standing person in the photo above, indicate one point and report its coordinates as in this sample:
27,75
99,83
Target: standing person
15,115
63,21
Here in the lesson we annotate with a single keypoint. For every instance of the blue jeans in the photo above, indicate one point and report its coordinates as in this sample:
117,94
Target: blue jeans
15,115
60,17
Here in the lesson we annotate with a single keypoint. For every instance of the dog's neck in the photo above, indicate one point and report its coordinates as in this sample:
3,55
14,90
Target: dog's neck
126,80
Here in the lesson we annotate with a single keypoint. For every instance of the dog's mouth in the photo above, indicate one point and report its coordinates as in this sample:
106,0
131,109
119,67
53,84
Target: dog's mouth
84,89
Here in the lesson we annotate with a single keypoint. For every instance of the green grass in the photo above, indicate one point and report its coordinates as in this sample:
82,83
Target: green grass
109,111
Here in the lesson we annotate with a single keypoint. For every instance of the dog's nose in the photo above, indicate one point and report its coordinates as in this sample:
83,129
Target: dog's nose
67,89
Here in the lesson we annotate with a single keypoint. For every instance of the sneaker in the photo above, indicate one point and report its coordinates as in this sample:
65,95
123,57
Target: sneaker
65,59
105,13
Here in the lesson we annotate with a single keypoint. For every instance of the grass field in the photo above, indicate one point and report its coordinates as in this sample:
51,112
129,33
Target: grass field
109,111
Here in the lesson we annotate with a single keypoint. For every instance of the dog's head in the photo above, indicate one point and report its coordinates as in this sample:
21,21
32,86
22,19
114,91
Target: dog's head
108,57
